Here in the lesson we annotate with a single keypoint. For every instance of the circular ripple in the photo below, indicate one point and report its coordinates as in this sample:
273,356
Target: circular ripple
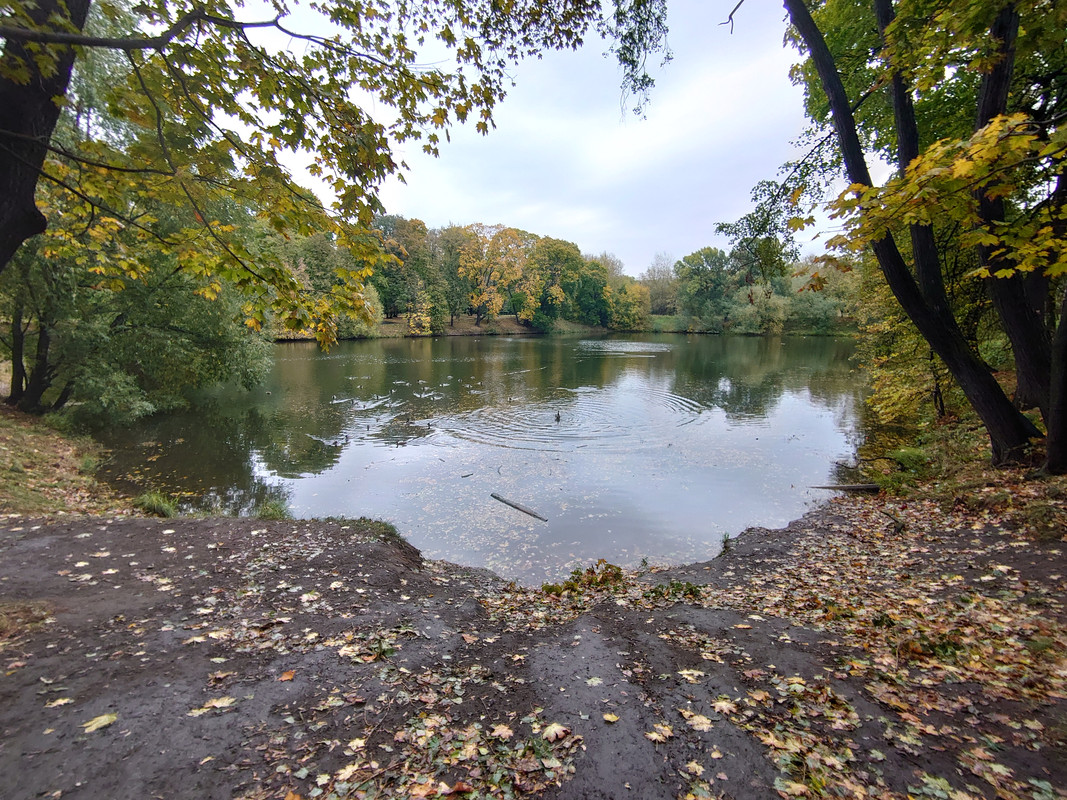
615,420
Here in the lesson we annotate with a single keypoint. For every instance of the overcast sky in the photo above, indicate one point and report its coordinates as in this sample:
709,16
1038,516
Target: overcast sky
567,161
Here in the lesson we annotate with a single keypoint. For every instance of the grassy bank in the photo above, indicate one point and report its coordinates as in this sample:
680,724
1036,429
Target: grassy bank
43,472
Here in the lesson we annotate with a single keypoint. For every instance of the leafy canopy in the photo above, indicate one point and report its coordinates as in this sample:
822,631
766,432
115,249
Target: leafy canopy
216,98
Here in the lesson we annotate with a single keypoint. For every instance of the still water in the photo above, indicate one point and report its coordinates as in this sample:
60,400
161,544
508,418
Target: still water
641,447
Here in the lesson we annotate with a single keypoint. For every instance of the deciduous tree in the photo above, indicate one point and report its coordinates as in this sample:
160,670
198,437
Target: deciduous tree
219,92
1001,181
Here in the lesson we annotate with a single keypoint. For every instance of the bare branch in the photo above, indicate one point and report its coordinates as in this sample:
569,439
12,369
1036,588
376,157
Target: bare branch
730,19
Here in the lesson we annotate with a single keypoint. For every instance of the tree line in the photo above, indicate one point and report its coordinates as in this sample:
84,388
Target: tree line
719,291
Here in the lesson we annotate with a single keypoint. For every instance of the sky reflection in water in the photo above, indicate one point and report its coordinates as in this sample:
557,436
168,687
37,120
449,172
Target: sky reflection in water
663,444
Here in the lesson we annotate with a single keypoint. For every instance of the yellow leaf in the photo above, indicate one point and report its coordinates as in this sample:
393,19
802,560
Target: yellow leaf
660,732
611,717
502,732
96,723
345,773
61,701
724,706
700,723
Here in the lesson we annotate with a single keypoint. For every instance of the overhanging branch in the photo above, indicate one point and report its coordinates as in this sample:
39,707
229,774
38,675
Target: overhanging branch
131,43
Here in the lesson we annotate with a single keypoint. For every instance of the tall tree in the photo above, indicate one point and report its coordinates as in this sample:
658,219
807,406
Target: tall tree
921,49
662,288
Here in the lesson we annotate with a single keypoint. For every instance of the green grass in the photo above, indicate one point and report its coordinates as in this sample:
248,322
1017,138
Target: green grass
272,509
43,472
155,503
662,323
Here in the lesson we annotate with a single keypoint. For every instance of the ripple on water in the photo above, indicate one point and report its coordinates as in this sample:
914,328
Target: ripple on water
624,348
576,418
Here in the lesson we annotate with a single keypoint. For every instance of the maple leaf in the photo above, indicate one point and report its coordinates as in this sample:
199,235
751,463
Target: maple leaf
215,702
287,675
501,732
554,731
347,772
700,723
693,768
725,706
660,732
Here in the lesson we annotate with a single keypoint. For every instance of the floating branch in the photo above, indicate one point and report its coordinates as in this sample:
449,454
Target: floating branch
518,507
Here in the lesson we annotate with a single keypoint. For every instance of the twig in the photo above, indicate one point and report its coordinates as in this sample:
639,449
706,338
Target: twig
518,507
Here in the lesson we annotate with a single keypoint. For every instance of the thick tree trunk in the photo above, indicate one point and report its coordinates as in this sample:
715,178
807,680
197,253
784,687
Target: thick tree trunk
1009,432
1030,341
1022,322
28,116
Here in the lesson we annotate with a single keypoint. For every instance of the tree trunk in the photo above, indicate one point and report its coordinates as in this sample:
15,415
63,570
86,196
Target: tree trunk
28,116
1030,341
64,397
1009,432
1056,443
18,354
40,376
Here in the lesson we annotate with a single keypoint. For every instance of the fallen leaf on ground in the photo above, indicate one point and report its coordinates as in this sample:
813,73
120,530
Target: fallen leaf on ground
554,731
96,723
660,732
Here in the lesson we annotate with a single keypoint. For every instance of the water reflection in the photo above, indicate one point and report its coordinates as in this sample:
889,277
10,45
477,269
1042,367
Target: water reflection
643,447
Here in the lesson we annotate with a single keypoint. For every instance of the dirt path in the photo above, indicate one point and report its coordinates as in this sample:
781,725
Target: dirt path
227,658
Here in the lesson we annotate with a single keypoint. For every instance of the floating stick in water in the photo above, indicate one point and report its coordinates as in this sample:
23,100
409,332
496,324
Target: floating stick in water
517,507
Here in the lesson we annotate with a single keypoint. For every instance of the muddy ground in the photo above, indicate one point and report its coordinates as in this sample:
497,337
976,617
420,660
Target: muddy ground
857,653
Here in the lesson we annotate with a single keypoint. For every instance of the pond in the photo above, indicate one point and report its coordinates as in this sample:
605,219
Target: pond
633,448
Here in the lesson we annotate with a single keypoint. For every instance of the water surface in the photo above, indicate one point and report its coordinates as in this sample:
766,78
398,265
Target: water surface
650,447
